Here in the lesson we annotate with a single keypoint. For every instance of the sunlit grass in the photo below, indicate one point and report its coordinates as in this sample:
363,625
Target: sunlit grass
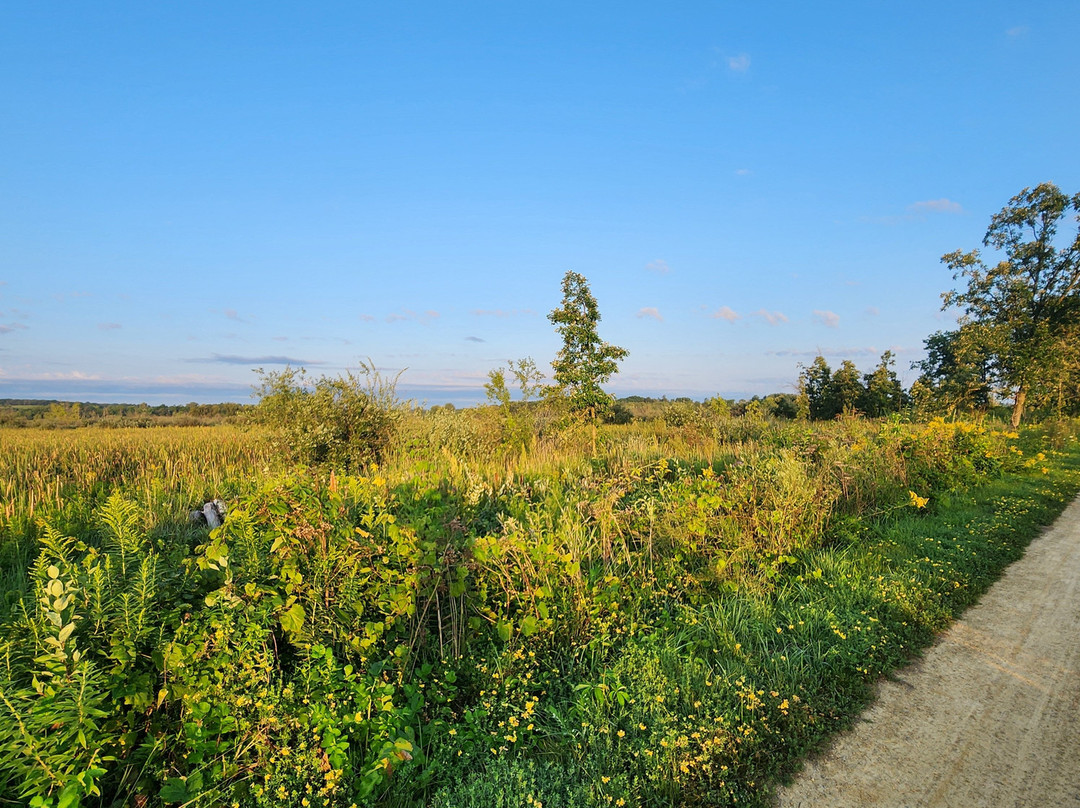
674,619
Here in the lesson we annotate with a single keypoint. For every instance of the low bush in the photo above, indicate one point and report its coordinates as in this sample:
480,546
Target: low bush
344,422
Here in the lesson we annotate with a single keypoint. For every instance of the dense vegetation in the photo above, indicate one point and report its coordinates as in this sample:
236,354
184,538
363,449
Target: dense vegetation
669,621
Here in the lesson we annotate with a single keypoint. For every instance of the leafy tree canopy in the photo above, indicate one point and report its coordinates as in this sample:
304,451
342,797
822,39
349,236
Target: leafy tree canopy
585,361
882,394
1023,304
956,371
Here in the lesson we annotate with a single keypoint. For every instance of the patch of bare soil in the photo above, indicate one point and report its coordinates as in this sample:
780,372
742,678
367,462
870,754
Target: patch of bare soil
990,716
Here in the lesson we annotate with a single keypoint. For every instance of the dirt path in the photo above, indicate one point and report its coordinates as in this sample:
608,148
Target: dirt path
989,717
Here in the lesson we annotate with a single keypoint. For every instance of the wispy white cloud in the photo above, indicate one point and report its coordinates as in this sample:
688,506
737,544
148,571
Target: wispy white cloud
474,339
936,206
366,318
229,359
1017,31
409,314
740,63
872,311
842,353
829,319
743,172
50,376
108,326
503,312
232,314
771,317
659,266
649,311
195,379
917,211
15,325
724,313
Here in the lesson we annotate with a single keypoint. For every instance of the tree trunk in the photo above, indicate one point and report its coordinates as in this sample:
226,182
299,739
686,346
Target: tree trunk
1018,407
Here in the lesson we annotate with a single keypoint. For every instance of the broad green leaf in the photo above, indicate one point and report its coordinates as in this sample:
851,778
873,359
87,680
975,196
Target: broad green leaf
174,790
69,797
292,620
505,628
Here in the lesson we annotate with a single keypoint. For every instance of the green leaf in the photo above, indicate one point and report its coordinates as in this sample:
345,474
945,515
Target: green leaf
293,619
69,797
174,790
529,625
505,628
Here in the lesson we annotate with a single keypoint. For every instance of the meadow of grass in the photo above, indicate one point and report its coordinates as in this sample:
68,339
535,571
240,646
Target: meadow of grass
486,618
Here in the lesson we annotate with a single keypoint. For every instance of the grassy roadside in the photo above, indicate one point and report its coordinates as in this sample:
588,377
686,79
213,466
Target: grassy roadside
896,592
722,700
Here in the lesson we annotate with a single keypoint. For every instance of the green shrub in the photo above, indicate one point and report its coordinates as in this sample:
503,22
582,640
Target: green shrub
461,433
347,422
620,414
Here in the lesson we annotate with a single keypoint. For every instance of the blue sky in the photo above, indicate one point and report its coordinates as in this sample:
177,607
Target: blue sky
193,190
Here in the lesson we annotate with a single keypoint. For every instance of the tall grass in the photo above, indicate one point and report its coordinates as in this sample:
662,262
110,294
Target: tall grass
42,472
669,620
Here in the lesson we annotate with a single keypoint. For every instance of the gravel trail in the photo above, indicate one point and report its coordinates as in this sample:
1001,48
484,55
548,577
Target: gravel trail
990,716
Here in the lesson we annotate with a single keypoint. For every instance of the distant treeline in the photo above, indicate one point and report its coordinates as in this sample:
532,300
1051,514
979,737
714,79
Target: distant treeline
68,414
775,405
19,412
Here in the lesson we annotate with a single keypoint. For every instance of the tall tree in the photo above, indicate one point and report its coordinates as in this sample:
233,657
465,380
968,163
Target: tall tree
813,401
883,394
956,371
845,391
1027,301
585,361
